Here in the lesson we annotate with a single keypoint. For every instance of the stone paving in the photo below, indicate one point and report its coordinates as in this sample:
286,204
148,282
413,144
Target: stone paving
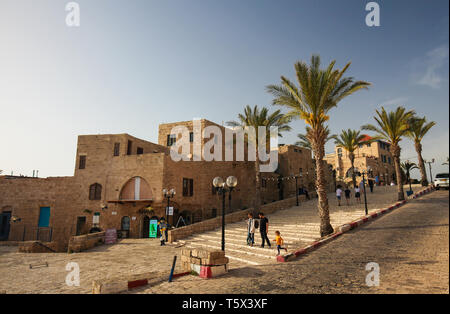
410,244
298,225
126,257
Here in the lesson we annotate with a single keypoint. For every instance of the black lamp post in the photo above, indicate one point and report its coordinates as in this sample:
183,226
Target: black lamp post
296,188
168,194
224,187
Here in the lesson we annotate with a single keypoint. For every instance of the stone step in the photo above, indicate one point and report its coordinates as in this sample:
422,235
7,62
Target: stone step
248,257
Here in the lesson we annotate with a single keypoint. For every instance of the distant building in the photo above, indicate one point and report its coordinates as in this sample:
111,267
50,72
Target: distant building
377,155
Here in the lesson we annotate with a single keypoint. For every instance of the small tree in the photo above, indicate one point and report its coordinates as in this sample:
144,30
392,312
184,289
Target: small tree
392,127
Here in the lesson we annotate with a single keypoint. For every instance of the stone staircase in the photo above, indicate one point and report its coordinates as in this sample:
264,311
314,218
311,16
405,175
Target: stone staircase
299,226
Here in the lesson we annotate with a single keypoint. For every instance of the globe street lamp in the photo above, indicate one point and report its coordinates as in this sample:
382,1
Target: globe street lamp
223,187
168,194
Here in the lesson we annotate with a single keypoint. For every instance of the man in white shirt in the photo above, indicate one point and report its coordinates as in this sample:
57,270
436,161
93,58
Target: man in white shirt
338,195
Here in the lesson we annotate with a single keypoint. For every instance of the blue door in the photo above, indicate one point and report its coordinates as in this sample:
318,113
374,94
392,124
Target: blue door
44,217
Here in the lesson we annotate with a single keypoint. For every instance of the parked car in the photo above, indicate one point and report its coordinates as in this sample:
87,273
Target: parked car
441,181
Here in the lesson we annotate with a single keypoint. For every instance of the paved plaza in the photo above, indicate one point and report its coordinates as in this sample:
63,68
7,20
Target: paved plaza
298,225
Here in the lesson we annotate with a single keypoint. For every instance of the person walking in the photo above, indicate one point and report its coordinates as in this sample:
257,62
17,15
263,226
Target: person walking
250,229
358,194
339,194
347,193
163,231
264,229
279,242
371,183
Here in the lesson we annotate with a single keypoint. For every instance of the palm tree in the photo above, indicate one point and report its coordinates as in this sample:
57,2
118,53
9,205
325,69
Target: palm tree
418,128
350,141
392,126
407,167
304,141
318,91
256,118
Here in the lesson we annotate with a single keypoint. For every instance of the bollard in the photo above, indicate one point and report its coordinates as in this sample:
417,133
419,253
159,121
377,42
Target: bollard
173,268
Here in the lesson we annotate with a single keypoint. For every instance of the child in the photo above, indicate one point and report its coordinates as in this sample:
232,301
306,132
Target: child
279,242
338,195
347,194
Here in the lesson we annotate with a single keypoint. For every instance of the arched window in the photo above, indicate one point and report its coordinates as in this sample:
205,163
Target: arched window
95,191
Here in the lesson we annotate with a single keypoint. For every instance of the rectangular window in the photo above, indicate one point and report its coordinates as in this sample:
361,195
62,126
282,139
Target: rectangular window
129,147
44,217
389,160
82,162
191,137
116,149
188,187
139,151
171,139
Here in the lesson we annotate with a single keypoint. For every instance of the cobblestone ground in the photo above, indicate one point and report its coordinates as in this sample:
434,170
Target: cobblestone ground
299,226
145,255
128,256
410,244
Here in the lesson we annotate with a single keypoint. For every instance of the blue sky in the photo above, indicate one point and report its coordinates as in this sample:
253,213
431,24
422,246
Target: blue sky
134,64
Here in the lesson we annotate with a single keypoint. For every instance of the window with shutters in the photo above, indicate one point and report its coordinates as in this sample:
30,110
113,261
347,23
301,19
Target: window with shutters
95,191
82,162
188,187
116,149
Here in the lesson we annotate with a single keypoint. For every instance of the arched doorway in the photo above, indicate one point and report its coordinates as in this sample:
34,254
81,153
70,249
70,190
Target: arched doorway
125,226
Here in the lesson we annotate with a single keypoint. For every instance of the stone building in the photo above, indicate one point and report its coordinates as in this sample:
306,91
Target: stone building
118,182
375,155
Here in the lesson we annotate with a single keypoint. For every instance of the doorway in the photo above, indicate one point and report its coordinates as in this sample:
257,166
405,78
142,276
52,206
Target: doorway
5,218
81,225
146,227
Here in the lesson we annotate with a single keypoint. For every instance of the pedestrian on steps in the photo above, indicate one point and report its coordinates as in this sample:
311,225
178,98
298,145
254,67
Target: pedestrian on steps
251,229
264,229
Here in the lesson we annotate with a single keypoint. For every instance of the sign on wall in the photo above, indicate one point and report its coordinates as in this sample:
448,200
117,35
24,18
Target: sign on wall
96,218
153,232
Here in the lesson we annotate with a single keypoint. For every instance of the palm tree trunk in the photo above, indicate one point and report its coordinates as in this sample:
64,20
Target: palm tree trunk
352,160
423,172
324,210
257,203
398,172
